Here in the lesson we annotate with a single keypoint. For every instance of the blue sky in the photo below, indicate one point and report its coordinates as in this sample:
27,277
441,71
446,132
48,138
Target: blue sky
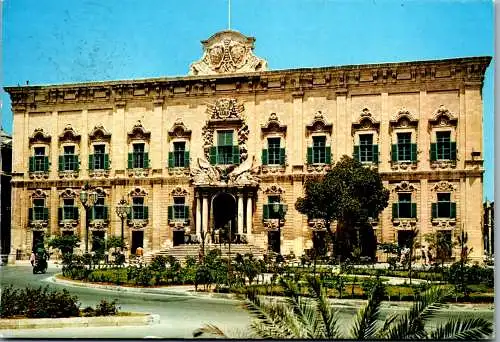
61,41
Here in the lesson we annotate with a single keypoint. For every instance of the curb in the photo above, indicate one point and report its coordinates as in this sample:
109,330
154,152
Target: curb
75,322
153,290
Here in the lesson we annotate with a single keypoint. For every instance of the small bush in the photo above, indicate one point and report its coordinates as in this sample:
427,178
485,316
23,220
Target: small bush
105,308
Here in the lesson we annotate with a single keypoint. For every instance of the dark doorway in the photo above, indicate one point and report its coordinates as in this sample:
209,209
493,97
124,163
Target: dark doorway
368,242
319,242
178,237
137,240
404,238
273,241
224,211
37,239
98,242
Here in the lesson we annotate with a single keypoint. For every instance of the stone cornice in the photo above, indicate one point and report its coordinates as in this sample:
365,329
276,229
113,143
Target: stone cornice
448,73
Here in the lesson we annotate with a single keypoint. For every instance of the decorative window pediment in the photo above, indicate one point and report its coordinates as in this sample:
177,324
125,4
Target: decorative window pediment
138,192
179,130
39,193
100,192
319,125
39,137
99,134
138,132
69,135
179,192
442,117
68,194
365,122
274,189
403,119
444,186
273,125
404,186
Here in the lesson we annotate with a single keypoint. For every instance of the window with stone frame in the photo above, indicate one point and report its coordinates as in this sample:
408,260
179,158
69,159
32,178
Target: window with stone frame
69,210
443,148
404,150
319,153
139,210
179,157
404,208
274,154
38,211
99,210
274,209
366,150
179,211
99,160
69,160
40,161
226,152
444,207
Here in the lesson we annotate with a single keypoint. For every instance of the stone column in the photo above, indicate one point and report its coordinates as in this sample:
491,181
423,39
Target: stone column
240,214
205,214
198,217
249,214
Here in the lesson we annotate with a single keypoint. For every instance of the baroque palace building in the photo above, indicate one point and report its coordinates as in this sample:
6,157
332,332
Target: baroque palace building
230,145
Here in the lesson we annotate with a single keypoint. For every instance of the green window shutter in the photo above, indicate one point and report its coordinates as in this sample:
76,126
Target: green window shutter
77,163
106,161
61,163
265,212
355,154
186,158
75,213
394,152
170,159
146,160
30,214
453,151
91,161
236,154
59,214
413,210
46,214
31,164
170,212
105,213
45,163
282,156
284,209
434,210
129,214
375,153
264,157
146,212
453,210
433,152
395,213
328,155
186,212
309,155
213,155
91,213
413,150
130,161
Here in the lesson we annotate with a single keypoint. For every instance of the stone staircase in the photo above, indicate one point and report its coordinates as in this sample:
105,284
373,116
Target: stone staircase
182,251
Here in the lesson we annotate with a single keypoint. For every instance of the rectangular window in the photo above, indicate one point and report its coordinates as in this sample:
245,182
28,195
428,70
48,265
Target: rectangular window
69,160
38,209
179,149
100,209
404,205
68,209
99,152
39,160
224,147
444,205
179,205
138,208
138,156
366,148
273,151
319,150
273,213
443,145
404,147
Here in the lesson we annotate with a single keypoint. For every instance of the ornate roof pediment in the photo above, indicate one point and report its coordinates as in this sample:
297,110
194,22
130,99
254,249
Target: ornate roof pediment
228,52
39,136
69,134
99,134
138,132
179,130
403,118
443,117
273,125
319,124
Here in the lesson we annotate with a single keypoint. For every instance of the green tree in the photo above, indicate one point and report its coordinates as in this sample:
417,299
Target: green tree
64,243
349,194
317,318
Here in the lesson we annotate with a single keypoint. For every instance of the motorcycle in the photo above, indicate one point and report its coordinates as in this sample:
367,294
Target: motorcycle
40,265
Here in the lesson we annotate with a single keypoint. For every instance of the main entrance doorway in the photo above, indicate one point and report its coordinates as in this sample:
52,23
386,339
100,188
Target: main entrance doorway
224,218
98,241
137,240
178,238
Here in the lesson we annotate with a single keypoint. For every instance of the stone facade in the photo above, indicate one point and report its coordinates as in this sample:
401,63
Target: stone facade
331,110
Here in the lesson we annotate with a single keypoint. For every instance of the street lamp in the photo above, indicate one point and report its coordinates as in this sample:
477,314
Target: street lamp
278,208
88,197
122,210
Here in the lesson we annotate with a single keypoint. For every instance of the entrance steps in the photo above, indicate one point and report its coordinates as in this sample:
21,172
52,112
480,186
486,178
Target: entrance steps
182,251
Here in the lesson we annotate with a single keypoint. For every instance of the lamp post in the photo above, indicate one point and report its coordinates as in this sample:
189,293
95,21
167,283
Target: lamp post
88,197
278,208
122,210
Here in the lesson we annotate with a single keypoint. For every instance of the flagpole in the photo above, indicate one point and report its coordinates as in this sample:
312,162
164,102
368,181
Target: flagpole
229,14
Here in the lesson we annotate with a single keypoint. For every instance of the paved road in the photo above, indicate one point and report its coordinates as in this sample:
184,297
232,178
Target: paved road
180,315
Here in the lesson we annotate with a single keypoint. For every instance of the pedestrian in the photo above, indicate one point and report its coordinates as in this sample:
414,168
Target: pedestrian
32,258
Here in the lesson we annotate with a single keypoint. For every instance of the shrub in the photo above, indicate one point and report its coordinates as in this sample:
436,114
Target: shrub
88,312
105,308
159,263
144,276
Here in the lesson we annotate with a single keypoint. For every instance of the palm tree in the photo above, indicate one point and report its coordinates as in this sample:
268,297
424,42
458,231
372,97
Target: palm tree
299,317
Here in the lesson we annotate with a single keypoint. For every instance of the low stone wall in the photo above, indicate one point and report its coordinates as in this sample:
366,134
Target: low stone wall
42,323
